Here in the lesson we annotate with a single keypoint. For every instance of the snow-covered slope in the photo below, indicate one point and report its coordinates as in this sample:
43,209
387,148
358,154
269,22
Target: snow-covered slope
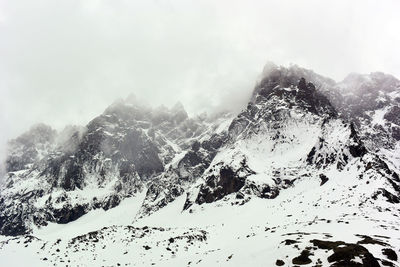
291,180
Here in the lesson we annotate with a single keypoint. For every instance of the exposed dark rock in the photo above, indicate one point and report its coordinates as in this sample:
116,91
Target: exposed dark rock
289,242
303,259
302,85
306,97
357,150
390,254
216,188
396,132
323,178
260,190
310,156
196,146
344,253
389,196
13,226
68,214
159,194
393,115
111,202
322,155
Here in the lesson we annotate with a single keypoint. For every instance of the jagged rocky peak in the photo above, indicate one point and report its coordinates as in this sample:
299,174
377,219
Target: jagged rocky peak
291,85
289,130
30,147
286,76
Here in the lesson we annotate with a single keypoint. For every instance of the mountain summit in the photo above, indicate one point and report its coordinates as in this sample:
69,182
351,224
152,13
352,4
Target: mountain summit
306,173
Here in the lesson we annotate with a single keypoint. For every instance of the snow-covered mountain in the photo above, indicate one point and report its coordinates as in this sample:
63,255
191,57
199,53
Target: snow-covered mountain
306,174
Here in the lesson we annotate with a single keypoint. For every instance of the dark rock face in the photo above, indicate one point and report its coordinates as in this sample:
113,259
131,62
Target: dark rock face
144,154
306,96
197,159
13,225
67,214
111,202
396,133
314,101
261,191
217,187
390,254
356,149
393,115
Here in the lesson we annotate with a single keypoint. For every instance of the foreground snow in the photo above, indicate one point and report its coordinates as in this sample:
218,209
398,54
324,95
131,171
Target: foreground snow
257,233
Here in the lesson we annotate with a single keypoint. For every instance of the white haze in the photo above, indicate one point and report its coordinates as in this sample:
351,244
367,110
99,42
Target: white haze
63,62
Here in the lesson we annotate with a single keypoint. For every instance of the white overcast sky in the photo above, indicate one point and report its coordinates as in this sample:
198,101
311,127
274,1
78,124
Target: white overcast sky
63,62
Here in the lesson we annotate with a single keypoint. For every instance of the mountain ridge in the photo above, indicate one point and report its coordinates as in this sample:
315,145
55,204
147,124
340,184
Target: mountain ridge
295,135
